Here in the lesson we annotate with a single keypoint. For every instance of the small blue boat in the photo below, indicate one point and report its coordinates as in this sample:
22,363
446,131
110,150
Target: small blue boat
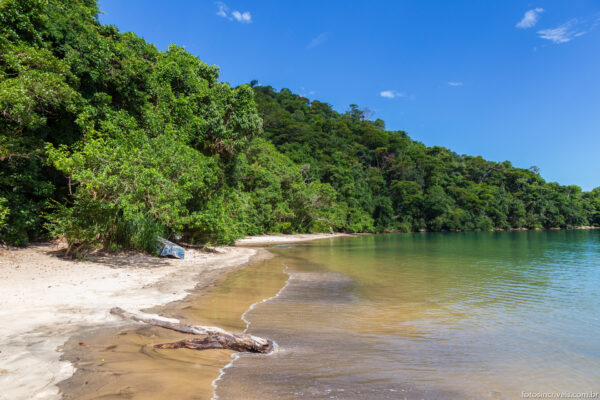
169,249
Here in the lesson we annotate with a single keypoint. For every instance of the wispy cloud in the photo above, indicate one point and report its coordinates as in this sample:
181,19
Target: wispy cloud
391,94
317,41
223,12
568,31
455,83
303,92
530,18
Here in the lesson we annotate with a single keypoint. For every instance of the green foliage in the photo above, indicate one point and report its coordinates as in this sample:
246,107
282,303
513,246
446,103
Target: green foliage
36,105
110,139
279,200
318,209
132,177
108,142
385,181
4,211
271,181
26,188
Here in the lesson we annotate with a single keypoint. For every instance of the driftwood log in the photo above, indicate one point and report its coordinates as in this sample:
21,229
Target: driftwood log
214,338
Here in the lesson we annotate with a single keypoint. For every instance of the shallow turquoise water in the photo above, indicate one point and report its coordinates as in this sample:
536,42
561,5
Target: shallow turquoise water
433,316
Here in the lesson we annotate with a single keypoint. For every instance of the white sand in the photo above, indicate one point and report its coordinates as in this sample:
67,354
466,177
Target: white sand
275,239
45,299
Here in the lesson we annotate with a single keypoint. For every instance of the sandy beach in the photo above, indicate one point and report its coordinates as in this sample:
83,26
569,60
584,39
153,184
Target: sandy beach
44,299
281,239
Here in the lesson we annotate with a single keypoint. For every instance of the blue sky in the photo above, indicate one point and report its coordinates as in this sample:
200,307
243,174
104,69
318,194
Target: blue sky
507,80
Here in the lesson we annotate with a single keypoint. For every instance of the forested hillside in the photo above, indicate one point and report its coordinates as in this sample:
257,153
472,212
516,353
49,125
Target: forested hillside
387,181
108,142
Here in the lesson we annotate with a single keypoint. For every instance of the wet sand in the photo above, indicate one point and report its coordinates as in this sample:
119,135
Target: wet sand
122,363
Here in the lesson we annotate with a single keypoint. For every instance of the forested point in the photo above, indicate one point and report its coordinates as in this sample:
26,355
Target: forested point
106,141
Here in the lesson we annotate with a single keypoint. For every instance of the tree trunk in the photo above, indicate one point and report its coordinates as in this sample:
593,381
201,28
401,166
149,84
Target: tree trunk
214,338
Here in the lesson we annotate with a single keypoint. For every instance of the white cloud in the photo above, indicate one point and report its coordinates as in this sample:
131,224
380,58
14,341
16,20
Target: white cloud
455,83
317,41
391,94
223,11
530,18
243,17
564,33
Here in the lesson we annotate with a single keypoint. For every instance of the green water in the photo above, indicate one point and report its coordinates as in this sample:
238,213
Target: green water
429,316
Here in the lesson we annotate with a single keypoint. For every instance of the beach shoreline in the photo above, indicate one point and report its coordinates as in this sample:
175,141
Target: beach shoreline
264,240
46,299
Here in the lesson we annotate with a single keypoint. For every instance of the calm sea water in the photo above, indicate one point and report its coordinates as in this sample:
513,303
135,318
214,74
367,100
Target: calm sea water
429,316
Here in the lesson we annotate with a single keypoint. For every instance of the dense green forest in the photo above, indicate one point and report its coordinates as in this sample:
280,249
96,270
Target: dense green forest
108,142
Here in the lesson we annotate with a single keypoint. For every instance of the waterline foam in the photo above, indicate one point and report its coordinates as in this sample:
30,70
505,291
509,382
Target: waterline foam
235,356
